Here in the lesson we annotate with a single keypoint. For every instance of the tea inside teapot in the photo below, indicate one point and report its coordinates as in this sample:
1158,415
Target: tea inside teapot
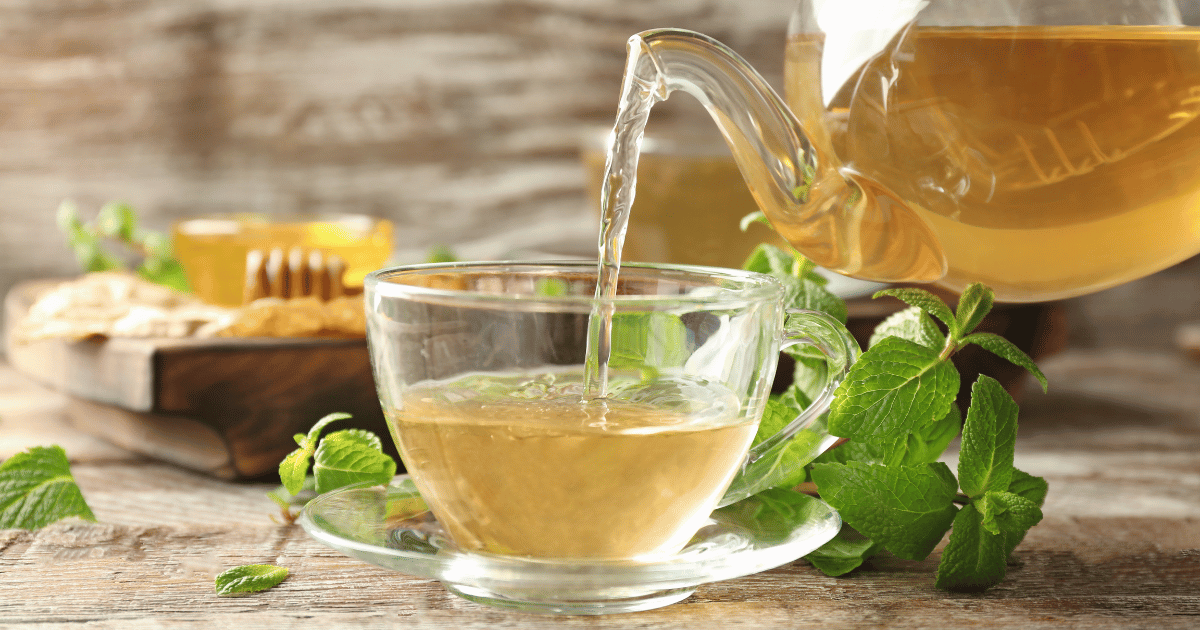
1047,161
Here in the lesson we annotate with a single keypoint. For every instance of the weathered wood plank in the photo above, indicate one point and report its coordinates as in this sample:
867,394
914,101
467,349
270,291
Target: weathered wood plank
125,573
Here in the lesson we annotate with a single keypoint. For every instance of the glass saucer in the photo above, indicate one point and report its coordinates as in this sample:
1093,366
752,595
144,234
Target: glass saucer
391,527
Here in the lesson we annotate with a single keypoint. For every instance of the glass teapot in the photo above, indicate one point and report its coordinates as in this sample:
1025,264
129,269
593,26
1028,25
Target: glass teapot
1047,148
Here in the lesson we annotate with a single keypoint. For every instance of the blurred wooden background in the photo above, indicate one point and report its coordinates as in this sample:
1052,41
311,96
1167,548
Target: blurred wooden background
458,119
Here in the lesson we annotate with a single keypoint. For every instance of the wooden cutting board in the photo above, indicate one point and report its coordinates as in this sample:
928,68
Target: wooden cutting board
228,407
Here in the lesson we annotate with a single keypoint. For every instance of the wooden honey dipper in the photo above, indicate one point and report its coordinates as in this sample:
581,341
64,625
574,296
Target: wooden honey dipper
299,273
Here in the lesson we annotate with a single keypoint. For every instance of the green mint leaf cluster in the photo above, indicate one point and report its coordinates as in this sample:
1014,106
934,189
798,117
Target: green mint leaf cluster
340,459
37,488
117,223
897,410
250,578
895,405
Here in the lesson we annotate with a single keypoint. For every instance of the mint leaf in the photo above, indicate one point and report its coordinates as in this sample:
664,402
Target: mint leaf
907,509
36,489
985,534
973,305
782,264
250,578
1007,512
91,257
895,387
157,245
912,324
974,559
927,302
999,345
285,499
351,456
67,218
843,553
1028,486
782,466
805,287
294,468
796,395
985,463
853,451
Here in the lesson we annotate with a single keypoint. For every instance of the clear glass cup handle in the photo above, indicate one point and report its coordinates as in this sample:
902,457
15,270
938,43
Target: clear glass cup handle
835,343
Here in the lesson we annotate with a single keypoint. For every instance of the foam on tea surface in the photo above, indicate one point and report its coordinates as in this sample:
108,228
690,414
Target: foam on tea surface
529,465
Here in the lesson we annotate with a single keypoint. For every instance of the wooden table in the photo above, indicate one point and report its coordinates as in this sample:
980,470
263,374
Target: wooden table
1118,438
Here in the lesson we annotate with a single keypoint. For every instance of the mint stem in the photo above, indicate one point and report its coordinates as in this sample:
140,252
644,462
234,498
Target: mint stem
949,349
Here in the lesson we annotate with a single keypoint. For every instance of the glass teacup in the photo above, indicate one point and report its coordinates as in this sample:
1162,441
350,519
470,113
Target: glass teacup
480,368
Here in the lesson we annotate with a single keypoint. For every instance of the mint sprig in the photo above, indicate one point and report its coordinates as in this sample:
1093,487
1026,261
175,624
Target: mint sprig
897,408
928,302
994,520
341,458
116,226
37,489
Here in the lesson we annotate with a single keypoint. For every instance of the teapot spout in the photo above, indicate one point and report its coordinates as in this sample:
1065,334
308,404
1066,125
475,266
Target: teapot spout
835,217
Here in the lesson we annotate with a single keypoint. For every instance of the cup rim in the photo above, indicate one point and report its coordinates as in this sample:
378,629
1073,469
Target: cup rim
755,287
